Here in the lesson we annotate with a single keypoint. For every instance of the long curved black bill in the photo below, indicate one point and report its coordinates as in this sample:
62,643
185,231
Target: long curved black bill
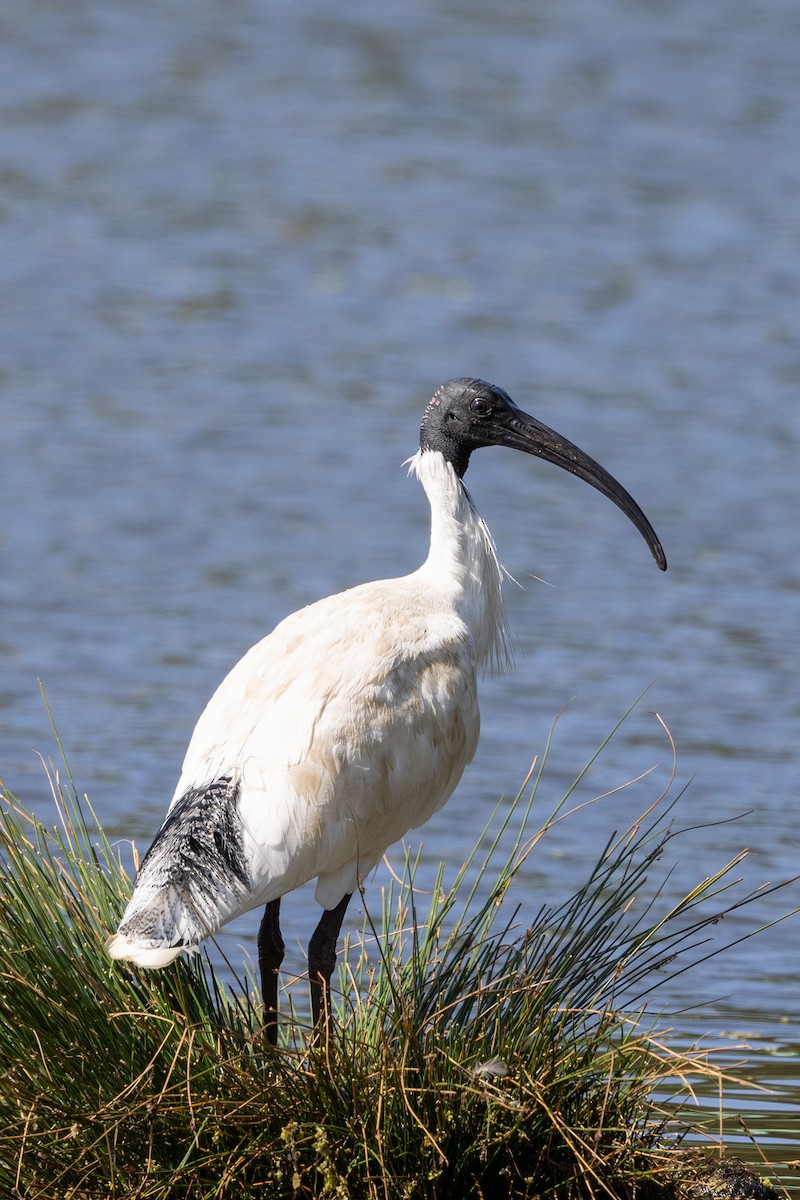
522,432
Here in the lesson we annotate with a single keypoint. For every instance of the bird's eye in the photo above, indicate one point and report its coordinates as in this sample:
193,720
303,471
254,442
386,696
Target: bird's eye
481,407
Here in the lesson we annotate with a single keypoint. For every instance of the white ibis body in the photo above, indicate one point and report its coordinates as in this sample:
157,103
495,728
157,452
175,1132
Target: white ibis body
348,725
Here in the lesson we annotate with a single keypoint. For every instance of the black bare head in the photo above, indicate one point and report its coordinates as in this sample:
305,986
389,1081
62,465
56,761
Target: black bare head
461,417
467,414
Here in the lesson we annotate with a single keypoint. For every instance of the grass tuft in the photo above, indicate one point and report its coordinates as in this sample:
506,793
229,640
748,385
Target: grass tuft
479,1049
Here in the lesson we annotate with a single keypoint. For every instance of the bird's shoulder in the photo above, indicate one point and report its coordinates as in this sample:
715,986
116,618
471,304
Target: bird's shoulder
385,620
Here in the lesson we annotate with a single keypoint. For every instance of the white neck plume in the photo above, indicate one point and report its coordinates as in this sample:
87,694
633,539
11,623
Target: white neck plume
462,560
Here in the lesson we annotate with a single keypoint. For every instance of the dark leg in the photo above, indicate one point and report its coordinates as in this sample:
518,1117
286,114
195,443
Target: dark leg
270,957
322,960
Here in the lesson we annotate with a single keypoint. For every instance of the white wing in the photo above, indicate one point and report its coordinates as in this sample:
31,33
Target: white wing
348,725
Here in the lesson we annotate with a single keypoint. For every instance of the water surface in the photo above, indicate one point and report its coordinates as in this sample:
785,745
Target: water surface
241,247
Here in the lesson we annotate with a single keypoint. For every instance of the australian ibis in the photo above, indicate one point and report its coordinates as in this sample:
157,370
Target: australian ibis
349,724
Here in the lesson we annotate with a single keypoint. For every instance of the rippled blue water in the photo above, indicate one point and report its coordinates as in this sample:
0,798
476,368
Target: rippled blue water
241,246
